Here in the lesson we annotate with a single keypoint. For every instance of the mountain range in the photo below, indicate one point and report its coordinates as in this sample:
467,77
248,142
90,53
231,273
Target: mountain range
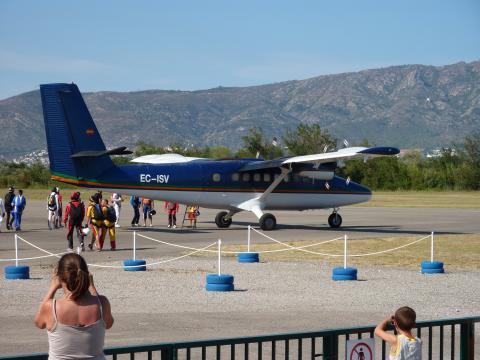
408,106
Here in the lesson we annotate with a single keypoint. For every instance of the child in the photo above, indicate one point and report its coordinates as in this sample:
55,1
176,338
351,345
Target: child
192,211
404,345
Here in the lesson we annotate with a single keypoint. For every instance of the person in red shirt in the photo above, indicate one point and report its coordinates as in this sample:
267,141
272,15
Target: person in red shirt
74,214
172,208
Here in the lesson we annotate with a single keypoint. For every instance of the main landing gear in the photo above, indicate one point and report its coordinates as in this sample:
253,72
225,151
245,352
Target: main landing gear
335,220
267,221
223,220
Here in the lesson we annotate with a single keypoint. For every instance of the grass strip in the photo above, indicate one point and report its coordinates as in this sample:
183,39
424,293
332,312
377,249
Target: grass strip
458,252
425,199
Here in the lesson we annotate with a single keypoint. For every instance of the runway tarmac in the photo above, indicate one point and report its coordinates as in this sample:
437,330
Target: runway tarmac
169,302
358,223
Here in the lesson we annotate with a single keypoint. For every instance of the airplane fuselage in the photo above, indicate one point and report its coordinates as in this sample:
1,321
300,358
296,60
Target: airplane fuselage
220,184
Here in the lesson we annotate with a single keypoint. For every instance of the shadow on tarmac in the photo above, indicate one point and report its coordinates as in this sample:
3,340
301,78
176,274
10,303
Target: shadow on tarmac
384,229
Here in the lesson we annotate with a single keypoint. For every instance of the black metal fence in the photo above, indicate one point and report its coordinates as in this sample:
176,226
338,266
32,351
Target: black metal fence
442,339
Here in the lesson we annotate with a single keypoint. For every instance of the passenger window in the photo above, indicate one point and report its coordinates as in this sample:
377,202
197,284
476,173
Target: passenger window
216,177
266,177
246,177
235,176
256,177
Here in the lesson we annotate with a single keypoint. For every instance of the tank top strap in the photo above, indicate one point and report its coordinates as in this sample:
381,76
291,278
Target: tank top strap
54,312
100,305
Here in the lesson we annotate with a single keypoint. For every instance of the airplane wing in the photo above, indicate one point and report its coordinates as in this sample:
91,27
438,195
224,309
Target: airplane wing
163,159
330,157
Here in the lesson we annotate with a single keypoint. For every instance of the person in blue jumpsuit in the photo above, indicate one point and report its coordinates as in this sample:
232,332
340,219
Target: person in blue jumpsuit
18,204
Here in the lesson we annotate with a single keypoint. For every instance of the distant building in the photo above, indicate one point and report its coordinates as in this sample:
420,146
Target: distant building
436,153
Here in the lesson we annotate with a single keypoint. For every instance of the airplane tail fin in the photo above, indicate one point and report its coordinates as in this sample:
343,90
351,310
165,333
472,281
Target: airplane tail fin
75,147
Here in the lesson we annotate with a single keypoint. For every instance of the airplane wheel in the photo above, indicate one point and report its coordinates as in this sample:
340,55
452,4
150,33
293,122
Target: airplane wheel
221,221
335,220
268,222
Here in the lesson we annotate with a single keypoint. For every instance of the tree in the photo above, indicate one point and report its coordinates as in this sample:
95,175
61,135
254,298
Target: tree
255,142
308,139
469,171
147,149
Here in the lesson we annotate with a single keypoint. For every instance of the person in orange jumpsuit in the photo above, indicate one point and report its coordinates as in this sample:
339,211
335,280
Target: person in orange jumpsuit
110,218
94,224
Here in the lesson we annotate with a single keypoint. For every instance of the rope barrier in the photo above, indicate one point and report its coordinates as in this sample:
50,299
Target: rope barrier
288,247
154,263
32,258
38,248
237,252
183,246
58,255
339,255
390,250
298,247
50,254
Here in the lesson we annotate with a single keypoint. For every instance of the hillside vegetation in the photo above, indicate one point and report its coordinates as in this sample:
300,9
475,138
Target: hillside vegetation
409,106
455,169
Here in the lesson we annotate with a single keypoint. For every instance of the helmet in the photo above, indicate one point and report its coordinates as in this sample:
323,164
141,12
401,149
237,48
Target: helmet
153,212
75,195
86,231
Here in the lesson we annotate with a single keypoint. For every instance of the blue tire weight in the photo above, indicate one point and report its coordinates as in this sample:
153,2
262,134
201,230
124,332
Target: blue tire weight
432,265
220,279
219,287
248,257
433,271
21,272
344,271
134,265
341,273
344,277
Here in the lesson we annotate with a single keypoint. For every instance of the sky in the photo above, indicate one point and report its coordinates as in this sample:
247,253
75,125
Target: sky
193,45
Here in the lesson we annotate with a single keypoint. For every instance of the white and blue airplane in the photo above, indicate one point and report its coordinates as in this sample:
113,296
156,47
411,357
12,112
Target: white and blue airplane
78,156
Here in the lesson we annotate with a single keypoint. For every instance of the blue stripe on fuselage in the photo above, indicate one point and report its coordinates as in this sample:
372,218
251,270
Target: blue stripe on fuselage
198,175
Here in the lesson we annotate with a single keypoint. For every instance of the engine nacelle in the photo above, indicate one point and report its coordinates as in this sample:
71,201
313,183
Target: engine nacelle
319,175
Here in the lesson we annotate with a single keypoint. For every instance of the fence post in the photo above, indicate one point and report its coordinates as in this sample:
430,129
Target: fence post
168,353
330,347
467,341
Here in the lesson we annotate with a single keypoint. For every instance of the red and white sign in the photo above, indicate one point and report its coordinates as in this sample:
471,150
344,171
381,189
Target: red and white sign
361,349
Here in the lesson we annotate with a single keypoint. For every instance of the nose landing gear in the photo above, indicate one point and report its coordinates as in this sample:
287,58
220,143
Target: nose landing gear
335,220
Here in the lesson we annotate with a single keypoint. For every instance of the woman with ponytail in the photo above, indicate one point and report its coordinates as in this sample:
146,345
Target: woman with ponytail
77,320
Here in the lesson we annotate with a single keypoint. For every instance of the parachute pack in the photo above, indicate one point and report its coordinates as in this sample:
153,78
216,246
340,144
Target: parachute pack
111,214
76,213
97,212
52,203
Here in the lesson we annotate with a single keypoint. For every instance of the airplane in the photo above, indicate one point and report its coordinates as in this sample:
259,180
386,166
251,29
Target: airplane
78,156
